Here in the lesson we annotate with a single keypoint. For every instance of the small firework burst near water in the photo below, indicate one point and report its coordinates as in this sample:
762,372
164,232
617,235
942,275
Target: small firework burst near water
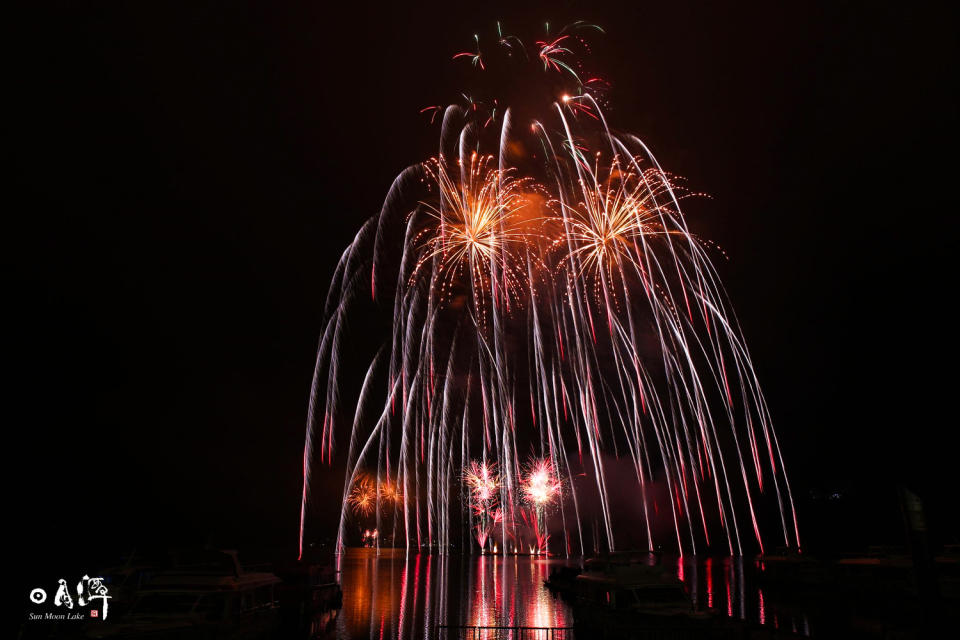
541,488
540,483
483,483
544,293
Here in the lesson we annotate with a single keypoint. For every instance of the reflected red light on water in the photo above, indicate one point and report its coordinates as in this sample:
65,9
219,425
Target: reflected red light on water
726,580
383,597
708,566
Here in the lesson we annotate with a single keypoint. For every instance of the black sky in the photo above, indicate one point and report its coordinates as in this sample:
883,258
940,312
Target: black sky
186,175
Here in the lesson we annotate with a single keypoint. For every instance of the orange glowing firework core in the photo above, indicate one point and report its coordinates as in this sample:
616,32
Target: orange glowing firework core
390,493
362,499
478,228
614,214
366,490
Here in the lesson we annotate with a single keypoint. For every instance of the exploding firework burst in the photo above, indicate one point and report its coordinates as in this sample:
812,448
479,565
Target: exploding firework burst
369,494
478,232
540,484
363,498
483,482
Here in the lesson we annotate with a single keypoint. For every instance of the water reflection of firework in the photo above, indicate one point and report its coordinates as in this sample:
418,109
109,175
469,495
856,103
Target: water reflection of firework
548,294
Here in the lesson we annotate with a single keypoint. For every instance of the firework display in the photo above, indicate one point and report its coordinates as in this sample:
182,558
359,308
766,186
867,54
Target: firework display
559,340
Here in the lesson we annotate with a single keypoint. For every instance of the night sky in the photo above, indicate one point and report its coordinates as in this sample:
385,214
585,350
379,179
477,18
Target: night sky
187,174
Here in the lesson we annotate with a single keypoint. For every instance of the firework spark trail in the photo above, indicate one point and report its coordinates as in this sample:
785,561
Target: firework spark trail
567,308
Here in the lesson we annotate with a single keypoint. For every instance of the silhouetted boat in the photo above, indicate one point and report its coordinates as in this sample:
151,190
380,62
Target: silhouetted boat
208,595
620,598
561,579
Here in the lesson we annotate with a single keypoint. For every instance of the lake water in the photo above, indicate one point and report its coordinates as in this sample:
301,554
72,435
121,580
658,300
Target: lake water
399,596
